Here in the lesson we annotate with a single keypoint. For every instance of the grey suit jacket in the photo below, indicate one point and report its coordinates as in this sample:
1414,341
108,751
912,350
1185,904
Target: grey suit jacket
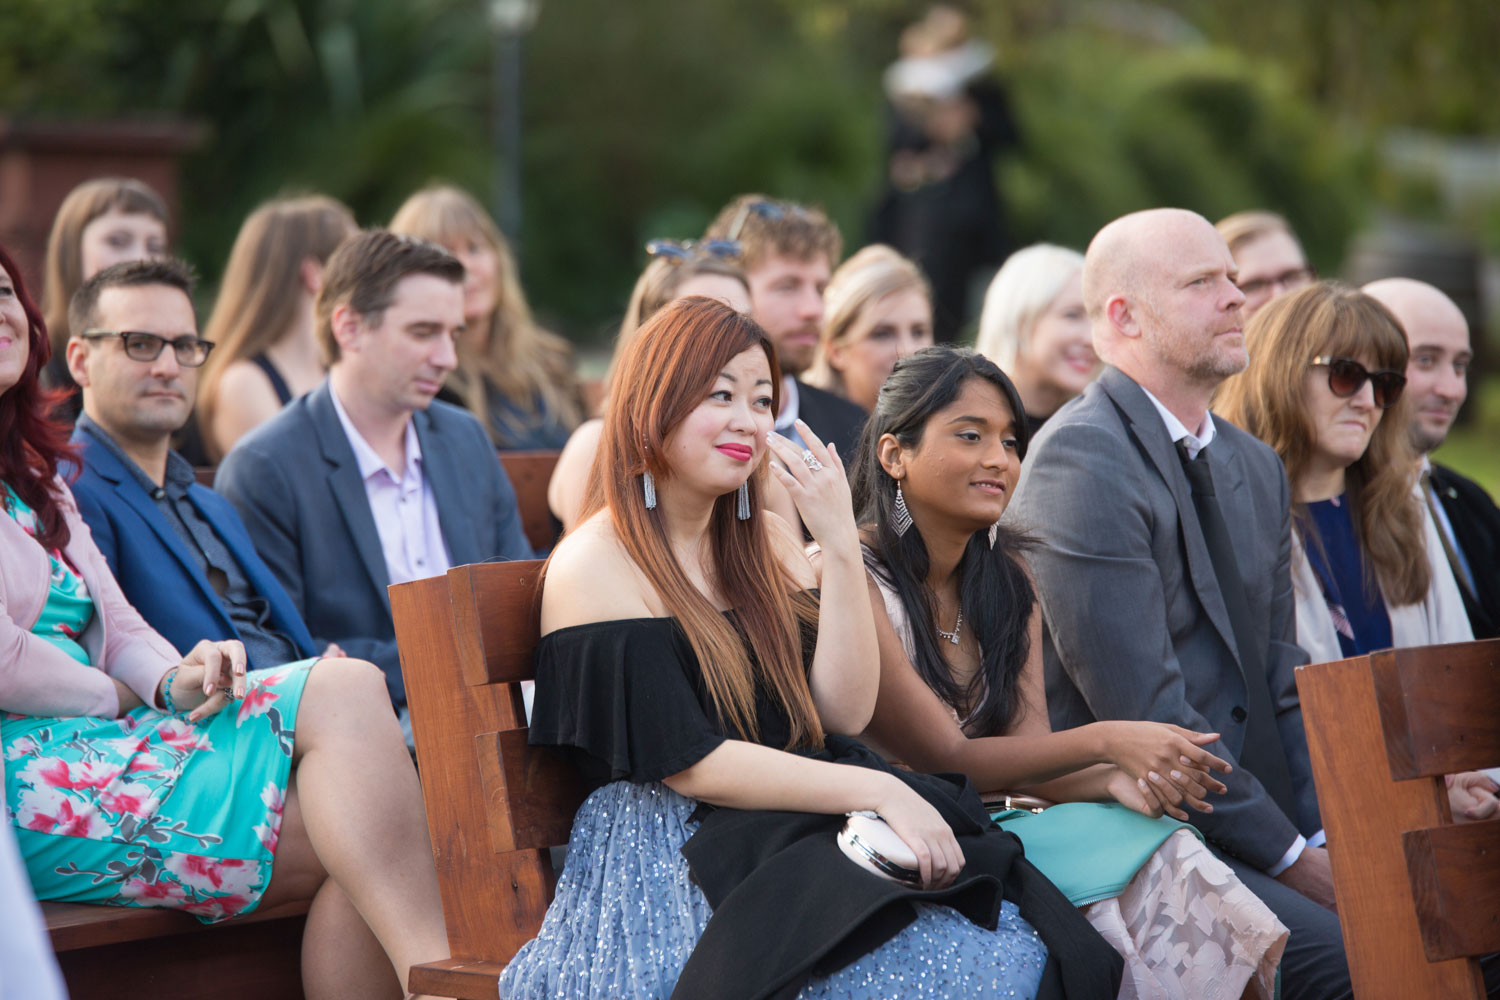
1135,623
296,484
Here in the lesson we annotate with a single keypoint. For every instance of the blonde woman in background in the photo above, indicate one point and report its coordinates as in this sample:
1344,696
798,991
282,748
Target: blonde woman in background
1034,326
101,222
262,323
877,309
676,271
517,378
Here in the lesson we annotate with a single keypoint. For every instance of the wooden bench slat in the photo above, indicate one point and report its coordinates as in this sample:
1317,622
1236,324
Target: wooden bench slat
494,642
1438,705
529,473
458,978
72,926
1455,881
531,794
1364,812
492,903
169,954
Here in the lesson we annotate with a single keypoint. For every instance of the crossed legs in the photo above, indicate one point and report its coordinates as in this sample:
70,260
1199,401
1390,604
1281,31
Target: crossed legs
354,841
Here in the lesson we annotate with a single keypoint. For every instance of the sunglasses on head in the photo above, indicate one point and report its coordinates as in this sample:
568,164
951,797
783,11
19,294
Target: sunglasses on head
771,211
1346,376
679,251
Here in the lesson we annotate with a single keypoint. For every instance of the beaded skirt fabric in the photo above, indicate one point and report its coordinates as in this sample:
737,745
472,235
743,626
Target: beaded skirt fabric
627,916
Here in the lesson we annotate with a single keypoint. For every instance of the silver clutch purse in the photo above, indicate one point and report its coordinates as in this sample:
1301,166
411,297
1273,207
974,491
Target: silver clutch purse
869,842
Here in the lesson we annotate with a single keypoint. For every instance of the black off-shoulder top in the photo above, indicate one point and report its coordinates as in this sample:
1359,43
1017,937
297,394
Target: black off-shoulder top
626,700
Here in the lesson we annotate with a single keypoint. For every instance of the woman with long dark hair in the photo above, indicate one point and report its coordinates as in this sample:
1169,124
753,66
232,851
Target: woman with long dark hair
136,776
685,664
961,689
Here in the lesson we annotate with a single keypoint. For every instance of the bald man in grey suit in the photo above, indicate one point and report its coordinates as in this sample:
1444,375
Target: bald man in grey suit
1164,572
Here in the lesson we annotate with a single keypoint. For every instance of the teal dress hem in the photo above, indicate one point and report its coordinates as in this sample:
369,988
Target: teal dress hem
1089,850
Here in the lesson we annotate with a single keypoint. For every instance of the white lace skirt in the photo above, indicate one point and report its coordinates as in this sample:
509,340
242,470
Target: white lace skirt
1190,930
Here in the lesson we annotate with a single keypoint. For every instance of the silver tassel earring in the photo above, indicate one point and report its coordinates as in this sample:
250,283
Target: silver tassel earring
648,484
902,522
994,533
742,502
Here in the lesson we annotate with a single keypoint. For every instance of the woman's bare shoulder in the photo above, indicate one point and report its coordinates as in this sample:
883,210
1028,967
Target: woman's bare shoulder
591,578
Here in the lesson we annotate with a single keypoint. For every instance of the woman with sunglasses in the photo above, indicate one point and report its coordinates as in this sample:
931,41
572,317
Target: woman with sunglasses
1323,389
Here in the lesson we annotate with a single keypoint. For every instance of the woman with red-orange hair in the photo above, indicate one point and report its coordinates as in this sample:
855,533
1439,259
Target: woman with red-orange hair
685,664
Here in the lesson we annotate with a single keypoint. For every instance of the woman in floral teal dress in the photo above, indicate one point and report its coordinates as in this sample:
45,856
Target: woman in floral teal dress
135,776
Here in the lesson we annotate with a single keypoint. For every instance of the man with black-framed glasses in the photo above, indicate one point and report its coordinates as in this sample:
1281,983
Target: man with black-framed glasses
179,551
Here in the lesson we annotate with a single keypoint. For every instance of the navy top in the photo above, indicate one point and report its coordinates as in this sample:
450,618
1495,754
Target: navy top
1353,596
278,384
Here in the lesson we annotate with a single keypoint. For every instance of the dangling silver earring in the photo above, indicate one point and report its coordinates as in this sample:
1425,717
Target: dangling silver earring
648,484
742,502
994,533
902,521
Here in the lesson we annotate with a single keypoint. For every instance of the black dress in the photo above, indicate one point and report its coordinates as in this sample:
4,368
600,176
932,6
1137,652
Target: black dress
662,895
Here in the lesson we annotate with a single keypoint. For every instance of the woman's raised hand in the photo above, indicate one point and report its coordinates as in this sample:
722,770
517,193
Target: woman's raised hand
209,677
923,829
1167,763
814,477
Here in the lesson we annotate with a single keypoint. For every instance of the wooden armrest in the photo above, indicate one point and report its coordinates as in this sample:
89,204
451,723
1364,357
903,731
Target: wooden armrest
462,979
1455,884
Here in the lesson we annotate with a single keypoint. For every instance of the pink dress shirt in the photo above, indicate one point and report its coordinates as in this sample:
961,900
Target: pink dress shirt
404,506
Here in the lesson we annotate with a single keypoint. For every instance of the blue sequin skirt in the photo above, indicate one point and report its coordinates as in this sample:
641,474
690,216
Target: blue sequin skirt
627,915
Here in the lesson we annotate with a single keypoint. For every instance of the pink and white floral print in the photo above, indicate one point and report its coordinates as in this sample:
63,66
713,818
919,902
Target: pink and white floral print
157,810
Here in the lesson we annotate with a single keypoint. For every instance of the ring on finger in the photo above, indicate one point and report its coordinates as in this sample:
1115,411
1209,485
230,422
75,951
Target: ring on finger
810,460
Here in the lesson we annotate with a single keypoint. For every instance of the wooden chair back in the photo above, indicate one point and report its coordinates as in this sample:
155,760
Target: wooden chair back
530,472
205,474
1418,896
494,805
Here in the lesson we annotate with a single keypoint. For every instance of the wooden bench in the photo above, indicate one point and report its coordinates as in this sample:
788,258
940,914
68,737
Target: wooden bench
494,805
529,473
169,955
1418,896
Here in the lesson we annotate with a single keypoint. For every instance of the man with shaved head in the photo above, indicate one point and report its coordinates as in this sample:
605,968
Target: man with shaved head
1437,384
1164,569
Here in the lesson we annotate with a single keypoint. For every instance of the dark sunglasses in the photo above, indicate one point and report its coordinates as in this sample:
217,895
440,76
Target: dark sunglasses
771,211
685,250
191,351
1346,376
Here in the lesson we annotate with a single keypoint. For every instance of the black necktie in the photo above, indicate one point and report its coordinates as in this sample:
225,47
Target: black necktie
1263,754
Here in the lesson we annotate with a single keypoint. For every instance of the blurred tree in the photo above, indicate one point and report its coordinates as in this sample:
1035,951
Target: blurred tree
642,118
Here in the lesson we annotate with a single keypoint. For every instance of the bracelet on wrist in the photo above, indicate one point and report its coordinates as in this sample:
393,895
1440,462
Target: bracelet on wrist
166,690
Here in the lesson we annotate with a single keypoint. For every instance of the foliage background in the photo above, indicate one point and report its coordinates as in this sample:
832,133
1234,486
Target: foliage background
642,117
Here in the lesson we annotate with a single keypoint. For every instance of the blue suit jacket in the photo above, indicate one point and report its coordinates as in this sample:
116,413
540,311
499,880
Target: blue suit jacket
296,483
152,563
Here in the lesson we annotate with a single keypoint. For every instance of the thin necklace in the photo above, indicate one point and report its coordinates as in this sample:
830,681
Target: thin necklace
957,628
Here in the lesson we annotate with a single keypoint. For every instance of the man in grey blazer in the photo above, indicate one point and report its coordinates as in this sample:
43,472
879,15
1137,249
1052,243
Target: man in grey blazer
366,481
1163,572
